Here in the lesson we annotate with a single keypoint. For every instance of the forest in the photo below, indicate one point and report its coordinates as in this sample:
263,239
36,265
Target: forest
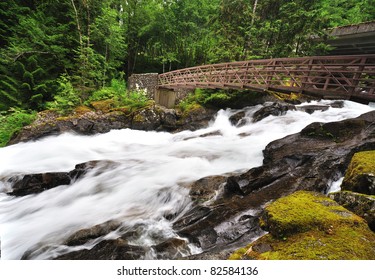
57,54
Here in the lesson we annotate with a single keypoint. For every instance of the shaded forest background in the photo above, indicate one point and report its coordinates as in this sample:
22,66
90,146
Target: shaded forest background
57,53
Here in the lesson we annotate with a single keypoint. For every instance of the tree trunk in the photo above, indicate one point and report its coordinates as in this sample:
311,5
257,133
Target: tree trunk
78,24
254,11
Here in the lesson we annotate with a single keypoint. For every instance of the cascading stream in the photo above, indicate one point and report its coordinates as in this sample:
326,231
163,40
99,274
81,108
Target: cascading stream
143,187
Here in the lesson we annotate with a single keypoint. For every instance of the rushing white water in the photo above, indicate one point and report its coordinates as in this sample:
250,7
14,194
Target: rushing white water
144,187
335,186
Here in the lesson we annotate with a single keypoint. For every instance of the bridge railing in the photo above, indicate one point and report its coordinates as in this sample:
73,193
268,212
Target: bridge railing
336,75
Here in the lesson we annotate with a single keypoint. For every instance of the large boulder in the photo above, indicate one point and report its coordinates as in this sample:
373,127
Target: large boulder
308,225
195,118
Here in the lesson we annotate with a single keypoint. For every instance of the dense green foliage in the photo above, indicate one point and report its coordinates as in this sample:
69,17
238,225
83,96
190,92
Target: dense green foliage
12,122
62,53
222,99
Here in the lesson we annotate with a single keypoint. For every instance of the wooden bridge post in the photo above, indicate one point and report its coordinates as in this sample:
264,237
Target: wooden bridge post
165,97
305,78
357,75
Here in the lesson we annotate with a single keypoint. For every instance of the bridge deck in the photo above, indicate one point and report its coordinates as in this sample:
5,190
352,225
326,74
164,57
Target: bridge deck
335,76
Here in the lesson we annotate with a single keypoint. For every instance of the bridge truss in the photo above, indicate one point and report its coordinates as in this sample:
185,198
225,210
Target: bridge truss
345,77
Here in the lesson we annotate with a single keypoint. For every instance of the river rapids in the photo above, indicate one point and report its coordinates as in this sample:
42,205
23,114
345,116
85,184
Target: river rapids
144,186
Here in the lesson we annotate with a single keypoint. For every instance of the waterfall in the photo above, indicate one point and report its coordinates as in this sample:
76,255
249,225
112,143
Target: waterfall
141,185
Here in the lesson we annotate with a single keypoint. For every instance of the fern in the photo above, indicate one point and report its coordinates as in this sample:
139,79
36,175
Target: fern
8,86
7,98
26,86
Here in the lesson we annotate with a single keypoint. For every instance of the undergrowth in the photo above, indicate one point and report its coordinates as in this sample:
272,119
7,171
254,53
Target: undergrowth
12,121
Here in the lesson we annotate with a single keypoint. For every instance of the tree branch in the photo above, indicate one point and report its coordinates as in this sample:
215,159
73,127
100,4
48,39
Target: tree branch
29,52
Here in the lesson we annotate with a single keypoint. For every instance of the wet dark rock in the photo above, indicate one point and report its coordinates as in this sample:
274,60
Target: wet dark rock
337,104
365,184
360,204
335,131
312,108
100,166
168,118
220,255
37,183
237,119
84,126
206,188
196,118
274,109
173,248
214,133
192,216
117,249
232,188
146,119
84,235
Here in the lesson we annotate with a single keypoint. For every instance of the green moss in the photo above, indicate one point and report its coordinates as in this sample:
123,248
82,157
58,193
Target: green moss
287,97
344,242
307,225
104,105
303,211
66,118
319,131
139,118
80,110
360,173
238,255
362,162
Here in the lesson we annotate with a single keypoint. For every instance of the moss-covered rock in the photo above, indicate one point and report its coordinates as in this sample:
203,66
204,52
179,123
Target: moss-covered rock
104,105
308,225
360,175
81,110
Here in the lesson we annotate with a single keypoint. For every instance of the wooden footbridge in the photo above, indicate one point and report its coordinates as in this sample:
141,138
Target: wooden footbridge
347,77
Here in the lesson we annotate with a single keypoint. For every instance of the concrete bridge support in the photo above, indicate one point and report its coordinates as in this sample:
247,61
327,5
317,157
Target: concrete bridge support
149,82
165,97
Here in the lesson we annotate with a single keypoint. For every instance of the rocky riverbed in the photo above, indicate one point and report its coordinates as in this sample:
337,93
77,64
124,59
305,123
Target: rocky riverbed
225,211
